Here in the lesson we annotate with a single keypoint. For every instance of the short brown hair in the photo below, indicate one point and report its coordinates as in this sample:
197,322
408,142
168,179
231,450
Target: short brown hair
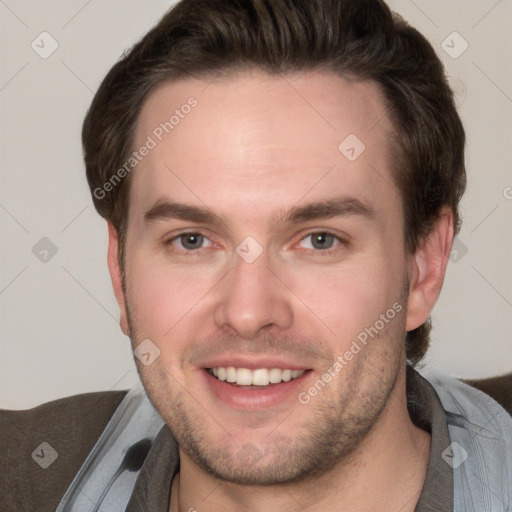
362,39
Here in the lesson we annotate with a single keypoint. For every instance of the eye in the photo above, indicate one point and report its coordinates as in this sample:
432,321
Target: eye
321,241
189,241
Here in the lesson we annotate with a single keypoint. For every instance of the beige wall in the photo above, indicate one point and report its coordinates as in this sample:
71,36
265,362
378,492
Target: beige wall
59,331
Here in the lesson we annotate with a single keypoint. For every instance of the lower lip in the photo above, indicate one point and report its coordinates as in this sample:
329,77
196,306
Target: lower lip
255,398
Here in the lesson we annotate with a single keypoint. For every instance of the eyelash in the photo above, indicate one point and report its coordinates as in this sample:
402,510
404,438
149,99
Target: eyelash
195,252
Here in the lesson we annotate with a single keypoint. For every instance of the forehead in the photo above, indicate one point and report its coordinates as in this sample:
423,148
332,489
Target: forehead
263,137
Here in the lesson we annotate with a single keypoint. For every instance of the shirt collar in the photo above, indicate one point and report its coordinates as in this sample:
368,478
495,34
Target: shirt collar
426,412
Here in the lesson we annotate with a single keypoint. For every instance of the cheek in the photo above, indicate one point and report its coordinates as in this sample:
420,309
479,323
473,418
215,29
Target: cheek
163,298
351,297
151,295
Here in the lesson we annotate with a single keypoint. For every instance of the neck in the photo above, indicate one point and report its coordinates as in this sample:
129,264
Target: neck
385,472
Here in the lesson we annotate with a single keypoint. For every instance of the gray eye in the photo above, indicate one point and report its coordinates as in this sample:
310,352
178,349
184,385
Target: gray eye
322,240
191,241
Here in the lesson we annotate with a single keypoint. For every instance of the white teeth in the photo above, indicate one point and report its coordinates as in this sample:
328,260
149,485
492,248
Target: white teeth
243,377
231,374
275,375
258,377
287,375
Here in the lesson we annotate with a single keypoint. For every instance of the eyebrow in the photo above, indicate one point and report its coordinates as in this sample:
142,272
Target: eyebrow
326,209
163,210
323,209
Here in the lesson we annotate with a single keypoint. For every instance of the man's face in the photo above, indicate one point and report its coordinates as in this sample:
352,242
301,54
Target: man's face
265,284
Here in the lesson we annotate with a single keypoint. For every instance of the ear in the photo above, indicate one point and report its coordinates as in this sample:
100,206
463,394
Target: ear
427,268
114,268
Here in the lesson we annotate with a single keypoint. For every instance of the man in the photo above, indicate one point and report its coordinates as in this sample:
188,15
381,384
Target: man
281,184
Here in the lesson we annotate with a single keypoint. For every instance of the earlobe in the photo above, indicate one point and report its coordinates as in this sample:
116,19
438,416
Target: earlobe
115,270
427,270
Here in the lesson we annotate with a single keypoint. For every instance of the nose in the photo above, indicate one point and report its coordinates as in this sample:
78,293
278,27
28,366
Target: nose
253,298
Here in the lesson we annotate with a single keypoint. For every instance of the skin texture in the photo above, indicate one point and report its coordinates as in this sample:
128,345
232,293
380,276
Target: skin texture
254,147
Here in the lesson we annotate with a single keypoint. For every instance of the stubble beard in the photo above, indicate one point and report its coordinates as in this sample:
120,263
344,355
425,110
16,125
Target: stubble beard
335,426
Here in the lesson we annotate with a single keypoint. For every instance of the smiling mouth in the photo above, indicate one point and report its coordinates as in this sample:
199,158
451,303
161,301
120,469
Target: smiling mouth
254,379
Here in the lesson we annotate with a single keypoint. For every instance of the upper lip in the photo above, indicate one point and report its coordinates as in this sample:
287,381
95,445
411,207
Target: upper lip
253,363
